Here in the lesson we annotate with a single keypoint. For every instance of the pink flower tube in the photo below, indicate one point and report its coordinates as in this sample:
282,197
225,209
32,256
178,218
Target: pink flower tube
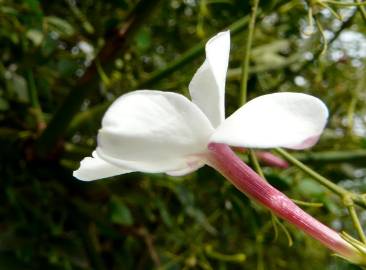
224,160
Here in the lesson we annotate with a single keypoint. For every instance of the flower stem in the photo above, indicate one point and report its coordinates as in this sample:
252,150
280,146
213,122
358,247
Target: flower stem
224,160
245,68
343,4
327,183
361,8
357,156
341,192
357,223
33,97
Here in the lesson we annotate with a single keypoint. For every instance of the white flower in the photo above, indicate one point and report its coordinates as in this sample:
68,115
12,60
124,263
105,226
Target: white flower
154,131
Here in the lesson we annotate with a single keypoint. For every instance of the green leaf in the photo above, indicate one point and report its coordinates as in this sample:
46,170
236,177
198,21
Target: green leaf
18,85
60,26
310,189
143,39
119,212
35,36
66,67
4,104
9,261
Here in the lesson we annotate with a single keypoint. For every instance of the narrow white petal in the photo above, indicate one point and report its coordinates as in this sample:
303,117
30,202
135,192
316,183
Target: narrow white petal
207,87
94,168
153,131
290,120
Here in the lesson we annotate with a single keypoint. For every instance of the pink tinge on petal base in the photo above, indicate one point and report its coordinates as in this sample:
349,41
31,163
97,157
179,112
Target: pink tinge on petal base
309,142
224,160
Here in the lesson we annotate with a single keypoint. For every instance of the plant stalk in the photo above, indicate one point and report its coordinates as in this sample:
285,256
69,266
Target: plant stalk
359,199
248,46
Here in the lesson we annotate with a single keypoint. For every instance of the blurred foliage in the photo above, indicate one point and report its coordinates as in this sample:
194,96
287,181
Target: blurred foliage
49,220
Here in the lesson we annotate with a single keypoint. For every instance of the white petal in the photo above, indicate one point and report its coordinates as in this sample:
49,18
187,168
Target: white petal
94,168
290,120
193,166
153,131
207,87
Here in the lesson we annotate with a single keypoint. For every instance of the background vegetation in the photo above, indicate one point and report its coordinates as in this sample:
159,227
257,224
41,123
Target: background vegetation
62,63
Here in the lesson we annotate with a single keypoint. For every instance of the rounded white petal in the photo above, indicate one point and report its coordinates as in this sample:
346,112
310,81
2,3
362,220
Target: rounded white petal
207,87
94,168
153,131
291,120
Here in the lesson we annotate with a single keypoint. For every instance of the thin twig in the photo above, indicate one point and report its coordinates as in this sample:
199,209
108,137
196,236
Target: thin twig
321,179
361,9
344,4
324,38
357,155
340,191
34,100
356,223
143,232
95,260
274,219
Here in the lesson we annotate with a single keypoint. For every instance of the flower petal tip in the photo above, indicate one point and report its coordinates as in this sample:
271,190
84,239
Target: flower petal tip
307,143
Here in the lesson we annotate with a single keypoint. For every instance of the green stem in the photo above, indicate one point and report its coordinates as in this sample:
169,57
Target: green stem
246,60
355,94
356,222
351,113
361,8
343,193
33,97
309,204
236,73
343,4
81,17
321,179
235,258
321,31
32,90
357,155
255,162
348,202
93,255
335,14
